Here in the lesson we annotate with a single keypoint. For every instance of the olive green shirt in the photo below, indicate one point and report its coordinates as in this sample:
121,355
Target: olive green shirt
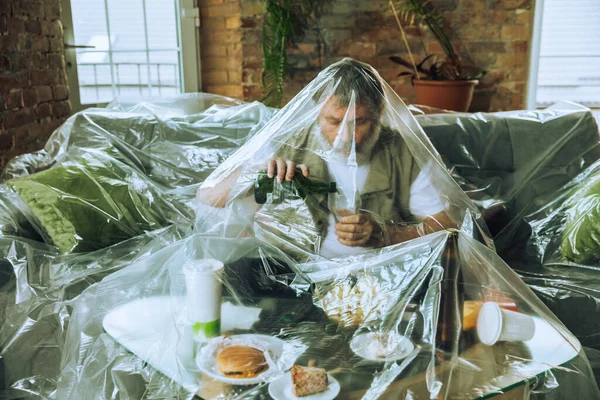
298,226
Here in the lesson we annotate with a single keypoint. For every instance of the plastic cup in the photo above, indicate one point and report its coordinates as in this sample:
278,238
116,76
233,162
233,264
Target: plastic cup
495,324
341,205
203,300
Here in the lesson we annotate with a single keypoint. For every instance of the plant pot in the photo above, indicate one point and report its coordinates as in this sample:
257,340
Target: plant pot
447,95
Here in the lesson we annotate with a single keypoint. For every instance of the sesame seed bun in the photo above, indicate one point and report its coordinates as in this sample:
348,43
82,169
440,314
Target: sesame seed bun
241,362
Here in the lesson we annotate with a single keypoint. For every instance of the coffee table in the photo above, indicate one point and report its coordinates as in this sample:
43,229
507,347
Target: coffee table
147,328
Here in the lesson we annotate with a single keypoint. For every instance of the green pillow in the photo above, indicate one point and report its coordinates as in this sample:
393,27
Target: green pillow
581,236
90,203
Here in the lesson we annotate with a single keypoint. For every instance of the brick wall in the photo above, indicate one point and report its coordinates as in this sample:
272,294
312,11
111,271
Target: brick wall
221,47
494,34
34,97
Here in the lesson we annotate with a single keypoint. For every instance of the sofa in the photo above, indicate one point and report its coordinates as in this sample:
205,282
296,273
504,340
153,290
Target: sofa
122,181
511,165
522,168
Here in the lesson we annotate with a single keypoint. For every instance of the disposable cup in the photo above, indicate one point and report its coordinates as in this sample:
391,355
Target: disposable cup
341,205
186,348
495,324
203,299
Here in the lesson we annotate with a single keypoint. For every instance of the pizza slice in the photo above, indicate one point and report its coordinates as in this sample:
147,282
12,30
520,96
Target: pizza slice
308,380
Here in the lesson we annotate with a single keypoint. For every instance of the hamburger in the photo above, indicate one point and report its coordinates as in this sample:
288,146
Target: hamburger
241,362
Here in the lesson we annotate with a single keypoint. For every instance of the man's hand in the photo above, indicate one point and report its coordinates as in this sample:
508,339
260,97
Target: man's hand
285,169
354,230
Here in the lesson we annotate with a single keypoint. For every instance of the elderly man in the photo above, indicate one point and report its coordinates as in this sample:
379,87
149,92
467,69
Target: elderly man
393,199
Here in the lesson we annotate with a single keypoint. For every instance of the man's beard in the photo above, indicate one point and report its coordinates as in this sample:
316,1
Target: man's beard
365,148
343,154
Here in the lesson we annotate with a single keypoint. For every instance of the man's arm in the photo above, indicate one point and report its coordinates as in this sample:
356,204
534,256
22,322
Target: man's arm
437,222
217,195
359,230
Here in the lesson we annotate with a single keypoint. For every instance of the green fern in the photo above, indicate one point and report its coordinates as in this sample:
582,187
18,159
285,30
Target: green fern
285,22
411,10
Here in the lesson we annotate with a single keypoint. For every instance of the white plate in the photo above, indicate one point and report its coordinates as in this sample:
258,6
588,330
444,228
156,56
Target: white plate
283,360
282,389
399,346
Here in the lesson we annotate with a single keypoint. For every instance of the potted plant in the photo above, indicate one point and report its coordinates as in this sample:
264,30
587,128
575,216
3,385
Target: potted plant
285,22
443,83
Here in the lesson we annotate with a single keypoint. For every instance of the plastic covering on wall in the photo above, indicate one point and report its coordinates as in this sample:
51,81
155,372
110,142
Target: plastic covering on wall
331,256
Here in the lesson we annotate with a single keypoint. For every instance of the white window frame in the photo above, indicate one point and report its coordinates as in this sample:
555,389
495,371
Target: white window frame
189,27
187,42
534,58
534,55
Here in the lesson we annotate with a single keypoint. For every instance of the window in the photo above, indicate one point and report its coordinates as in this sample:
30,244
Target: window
565,62
127,48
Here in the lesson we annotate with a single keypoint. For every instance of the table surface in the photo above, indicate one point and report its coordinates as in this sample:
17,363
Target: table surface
148,328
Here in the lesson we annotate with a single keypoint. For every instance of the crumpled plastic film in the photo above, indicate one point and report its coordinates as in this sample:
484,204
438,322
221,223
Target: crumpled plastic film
369,274
347,129
559,258
392,350
505,161
346,156
110,186
534,175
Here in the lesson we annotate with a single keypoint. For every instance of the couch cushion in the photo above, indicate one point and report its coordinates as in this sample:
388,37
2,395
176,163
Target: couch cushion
91,202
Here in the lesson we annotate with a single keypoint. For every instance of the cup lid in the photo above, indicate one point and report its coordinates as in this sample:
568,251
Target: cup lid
489,323
204,265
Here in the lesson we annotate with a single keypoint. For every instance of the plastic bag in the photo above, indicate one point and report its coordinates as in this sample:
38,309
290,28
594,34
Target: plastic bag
359,173
119,181
499,338
429,310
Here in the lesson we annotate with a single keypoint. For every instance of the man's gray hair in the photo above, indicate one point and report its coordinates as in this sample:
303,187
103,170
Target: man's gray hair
352,76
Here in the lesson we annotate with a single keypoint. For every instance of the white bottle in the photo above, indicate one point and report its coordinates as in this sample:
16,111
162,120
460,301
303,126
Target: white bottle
203,279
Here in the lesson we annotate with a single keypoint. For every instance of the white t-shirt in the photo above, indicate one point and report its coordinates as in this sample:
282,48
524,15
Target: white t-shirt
237,220
423,202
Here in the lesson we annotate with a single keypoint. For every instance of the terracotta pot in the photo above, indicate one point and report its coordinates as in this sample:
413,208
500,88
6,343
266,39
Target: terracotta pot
448,95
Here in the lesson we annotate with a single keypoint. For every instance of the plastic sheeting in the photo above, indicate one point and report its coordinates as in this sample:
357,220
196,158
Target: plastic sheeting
415,304
506,160
560,258
142,310
325,133
349,128
534,174
123,177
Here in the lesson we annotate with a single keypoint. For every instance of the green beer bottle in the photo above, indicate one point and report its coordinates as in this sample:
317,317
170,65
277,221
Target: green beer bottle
449,334
268,190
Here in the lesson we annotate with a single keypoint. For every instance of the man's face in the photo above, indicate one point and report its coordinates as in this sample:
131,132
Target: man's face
358,125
